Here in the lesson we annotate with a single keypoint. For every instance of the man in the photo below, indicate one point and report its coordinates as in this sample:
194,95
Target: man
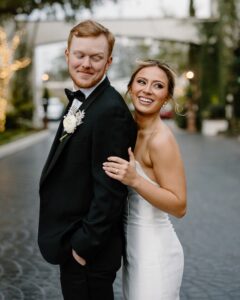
81,207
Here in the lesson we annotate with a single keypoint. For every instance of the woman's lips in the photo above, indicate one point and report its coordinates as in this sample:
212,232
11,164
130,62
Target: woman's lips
145,100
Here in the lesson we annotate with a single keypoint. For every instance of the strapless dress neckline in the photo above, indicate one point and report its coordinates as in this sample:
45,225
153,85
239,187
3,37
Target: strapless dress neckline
142,172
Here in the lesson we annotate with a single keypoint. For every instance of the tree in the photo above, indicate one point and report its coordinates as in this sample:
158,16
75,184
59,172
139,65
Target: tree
219,59
11,9
192,9
209,65
21,90
235,81
228,27
193,90
8,67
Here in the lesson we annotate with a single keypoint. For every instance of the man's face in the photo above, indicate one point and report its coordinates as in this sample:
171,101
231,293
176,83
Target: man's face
88,60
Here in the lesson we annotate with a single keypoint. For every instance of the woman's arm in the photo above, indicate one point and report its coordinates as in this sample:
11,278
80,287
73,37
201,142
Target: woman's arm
168,169
169,173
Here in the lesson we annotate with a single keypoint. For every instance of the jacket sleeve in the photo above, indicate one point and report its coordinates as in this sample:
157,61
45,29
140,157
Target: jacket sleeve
111,136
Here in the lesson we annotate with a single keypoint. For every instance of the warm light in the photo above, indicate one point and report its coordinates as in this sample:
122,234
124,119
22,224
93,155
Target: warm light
45,77
190,75
8,67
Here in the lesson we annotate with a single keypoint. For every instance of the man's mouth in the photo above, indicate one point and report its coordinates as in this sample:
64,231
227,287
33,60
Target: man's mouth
84,73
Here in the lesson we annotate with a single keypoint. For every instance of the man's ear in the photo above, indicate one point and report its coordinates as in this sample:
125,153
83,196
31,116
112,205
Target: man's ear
67,54
109,62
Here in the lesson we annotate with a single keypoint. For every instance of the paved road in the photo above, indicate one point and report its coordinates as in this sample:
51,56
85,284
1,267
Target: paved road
209,233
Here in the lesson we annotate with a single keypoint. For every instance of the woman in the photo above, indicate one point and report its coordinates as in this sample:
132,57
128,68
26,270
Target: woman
155,176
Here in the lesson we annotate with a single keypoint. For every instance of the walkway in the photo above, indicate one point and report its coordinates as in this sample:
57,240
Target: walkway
209,233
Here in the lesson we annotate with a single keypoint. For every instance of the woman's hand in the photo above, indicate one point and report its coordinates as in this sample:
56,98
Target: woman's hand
122,170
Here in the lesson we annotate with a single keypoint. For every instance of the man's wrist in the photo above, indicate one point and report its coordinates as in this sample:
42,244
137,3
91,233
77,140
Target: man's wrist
78,258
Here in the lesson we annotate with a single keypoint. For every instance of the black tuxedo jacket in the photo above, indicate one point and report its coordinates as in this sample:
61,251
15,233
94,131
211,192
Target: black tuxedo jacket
80,206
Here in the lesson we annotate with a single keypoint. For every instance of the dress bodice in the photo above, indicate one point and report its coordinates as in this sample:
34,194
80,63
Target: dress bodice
140,210
153,262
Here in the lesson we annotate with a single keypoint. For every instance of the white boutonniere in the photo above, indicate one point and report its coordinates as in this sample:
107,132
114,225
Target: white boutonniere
71,121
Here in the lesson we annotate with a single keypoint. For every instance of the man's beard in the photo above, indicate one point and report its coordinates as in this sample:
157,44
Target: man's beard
88,83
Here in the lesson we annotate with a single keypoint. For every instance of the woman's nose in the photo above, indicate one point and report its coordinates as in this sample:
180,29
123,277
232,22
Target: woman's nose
147,89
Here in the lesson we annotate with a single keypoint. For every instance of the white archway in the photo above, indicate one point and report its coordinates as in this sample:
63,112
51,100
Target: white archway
169,29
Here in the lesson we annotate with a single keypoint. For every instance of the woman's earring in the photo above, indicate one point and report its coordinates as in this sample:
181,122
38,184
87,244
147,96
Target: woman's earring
164,104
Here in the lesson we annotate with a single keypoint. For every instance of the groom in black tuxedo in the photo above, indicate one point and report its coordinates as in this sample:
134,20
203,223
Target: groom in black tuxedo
80,224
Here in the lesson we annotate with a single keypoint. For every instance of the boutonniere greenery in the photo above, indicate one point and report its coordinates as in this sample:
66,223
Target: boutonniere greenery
71,121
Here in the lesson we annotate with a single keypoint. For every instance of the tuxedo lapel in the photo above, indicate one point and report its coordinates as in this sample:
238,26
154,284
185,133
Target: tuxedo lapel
57,146
55,156
54,146
92,97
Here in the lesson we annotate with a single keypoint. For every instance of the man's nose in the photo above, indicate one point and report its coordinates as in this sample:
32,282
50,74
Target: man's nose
86,62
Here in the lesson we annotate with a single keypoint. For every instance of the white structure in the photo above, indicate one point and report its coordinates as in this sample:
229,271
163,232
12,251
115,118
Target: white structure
184,30
171,29
214,8
214,127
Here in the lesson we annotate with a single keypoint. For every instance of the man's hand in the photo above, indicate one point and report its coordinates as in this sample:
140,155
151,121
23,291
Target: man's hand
78,258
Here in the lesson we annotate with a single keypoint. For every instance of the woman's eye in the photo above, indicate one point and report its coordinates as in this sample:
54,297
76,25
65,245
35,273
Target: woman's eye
159,86
140,81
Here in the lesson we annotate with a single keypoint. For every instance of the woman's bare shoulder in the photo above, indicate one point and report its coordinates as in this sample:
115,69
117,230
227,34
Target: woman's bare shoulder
163,138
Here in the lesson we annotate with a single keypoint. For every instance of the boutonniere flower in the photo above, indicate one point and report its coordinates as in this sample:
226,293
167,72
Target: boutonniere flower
71,121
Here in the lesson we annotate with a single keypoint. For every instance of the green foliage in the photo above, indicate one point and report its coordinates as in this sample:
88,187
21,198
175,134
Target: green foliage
11,121
215,112
21,85
46,93
180,115
181,121
173,53
199,120
209,69
58,70
234,86
191,8
228,26
125,55
21,90
10,8
14,134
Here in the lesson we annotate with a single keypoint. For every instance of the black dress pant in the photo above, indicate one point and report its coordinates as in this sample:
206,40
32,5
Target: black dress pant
85,282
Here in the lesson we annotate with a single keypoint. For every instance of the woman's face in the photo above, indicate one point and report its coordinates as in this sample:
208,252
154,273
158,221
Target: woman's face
149,90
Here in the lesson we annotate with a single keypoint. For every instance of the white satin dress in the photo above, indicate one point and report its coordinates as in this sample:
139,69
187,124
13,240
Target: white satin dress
153,266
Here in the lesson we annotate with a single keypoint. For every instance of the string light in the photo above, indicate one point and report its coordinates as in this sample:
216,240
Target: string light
190,75
8,66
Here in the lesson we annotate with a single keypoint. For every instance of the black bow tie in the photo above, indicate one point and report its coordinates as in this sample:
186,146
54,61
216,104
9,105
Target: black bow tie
74,95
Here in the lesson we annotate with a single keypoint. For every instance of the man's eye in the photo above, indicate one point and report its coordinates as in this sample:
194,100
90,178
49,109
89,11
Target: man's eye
96,58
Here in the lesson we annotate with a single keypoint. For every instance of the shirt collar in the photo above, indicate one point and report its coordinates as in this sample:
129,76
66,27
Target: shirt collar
88,91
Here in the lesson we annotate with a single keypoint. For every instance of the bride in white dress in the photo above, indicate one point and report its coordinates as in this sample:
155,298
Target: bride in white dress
153,265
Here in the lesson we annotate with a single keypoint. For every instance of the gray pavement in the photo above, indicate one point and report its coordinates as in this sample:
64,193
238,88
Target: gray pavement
209,232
